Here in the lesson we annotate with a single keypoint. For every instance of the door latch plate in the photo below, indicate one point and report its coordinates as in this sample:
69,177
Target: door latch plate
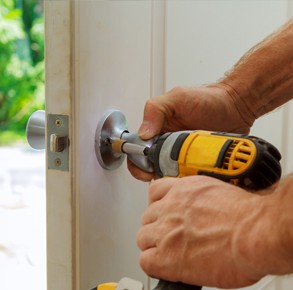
57,142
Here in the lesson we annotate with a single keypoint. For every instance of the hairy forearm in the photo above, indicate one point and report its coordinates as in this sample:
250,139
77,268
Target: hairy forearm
264,241
263,79
260,82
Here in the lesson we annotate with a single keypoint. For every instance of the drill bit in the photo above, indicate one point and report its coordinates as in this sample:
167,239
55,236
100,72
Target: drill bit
123,146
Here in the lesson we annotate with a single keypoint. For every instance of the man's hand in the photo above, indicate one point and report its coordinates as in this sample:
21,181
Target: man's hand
202,231
214,108
199,230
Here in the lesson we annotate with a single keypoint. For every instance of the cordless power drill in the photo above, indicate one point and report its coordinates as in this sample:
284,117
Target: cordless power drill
246,161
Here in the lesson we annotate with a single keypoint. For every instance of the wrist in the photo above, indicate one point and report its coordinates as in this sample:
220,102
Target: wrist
263,78
263,242
250,240
240,102
284,203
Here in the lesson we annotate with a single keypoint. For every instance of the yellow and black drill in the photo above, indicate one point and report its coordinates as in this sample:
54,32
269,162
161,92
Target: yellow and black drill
246,161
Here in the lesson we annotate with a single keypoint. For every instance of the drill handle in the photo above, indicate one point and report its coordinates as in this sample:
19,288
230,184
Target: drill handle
167,285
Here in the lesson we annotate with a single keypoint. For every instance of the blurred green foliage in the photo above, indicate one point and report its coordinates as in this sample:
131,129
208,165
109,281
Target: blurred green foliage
21,63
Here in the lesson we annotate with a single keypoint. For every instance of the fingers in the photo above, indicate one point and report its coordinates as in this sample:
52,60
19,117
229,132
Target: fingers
159,188
147,234
153,119
146,237
154,265
157,264
150,214
148,262
138,173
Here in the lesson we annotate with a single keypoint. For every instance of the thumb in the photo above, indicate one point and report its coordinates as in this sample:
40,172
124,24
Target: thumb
152,123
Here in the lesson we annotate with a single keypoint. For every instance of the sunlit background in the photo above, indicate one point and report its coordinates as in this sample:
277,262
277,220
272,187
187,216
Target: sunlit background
22,170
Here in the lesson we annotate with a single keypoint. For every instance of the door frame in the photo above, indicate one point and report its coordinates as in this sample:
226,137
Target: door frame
60,185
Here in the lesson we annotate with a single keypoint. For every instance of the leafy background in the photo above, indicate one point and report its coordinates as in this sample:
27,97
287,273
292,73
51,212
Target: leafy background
21,66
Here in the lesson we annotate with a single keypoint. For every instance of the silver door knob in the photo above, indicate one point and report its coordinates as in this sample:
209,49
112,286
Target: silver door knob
113,126
35,130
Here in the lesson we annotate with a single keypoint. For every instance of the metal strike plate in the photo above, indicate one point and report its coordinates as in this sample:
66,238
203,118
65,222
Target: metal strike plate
57,142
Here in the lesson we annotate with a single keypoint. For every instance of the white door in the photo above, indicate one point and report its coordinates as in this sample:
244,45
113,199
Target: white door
98,58
104,55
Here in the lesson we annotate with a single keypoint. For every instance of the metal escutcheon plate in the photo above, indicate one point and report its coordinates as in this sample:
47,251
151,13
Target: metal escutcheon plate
111,125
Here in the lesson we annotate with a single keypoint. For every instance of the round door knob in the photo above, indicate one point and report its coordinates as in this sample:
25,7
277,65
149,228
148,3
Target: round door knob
35,130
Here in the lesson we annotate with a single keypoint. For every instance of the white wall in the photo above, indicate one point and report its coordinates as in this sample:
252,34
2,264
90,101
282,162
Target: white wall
206,38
